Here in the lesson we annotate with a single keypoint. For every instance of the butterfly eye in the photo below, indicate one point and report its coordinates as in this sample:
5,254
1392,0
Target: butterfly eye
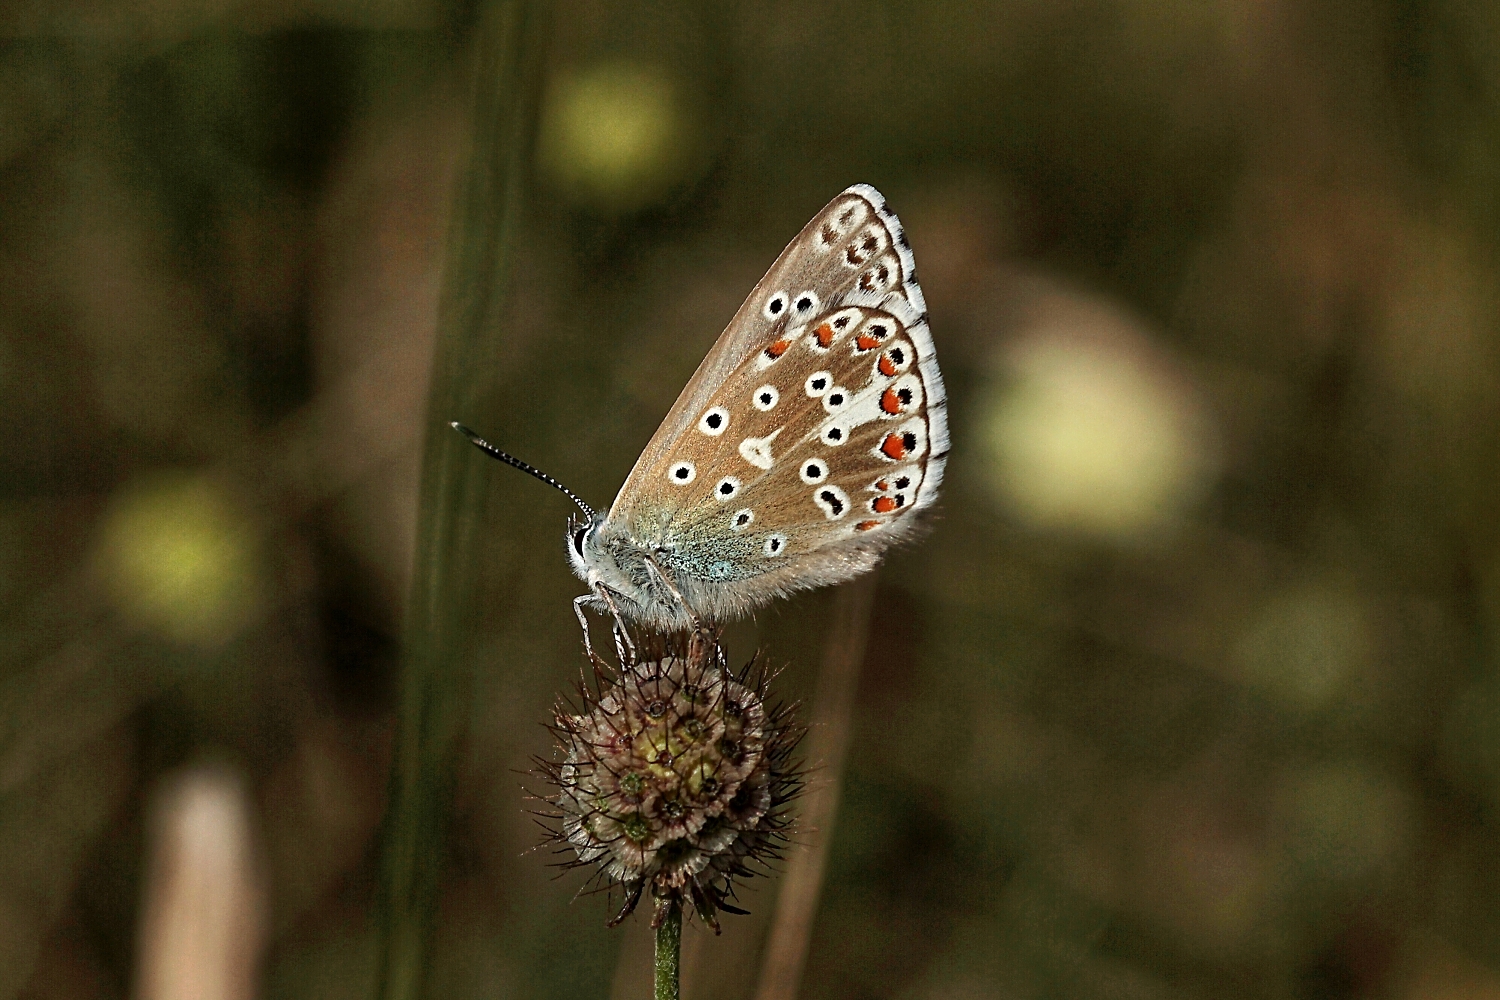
714,422
743,518
765,397
775,306
578,535
775,545
814,471
728,489
682,473
836,399
818,383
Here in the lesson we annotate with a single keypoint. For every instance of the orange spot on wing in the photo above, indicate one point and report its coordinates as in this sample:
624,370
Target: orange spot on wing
893,448
824,334
866,525
884,505
777,349
882,485
890,402
887,366
866,342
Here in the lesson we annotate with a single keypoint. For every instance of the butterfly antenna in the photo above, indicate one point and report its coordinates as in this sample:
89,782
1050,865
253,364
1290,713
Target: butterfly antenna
512,460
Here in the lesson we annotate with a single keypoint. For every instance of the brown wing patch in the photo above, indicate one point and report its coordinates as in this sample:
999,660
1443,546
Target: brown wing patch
811,436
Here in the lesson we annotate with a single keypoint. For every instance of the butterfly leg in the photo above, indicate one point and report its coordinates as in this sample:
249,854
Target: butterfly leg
583,623
623,643
622,654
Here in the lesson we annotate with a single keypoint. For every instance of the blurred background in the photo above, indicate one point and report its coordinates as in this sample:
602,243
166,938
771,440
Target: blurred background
1193,690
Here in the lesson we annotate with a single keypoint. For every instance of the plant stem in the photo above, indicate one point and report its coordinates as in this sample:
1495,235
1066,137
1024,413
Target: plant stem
669,953
440,634
827,746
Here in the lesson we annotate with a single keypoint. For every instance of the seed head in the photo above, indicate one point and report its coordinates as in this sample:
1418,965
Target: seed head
673,775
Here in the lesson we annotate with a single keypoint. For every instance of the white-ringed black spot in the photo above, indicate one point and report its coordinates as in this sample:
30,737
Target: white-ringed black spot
814,470
902,482
806,303
714,421
682,473
835,399
833,501
834,435
765,397
727,489
775,545
775,306
817,383
742,519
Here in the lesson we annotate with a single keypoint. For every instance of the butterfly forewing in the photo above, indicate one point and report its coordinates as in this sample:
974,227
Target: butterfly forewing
816,421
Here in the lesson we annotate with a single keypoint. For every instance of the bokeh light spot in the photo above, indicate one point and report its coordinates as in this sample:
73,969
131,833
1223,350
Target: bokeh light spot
1306,644
1093,433
615,136
178,558
1344,821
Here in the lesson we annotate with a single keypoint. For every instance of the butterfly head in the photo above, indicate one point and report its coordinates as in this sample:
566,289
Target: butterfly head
584,552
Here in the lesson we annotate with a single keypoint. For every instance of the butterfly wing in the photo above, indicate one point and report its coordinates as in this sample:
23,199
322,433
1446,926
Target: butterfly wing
814,427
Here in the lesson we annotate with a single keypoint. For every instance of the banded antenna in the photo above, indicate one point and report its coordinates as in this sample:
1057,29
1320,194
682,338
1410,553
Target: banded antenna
512,460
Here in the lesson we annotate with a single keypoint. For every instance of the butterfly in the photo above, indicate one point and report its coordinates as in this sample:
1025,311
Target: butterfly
805,445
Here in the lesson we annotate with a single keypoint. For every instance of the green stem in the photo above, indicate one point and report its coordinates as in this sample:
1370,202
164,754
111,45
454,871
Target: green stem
669,953
440,631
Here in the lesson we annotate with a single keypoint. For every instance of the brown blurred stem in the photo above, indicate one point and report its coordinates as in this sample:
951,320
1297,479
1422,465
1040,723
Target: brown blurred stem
669,952
827,745
507,44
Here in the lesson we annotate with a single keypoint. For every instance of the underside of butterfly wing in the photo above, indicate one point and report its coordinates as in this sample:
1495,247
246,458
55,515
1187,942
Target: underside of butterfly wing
811,434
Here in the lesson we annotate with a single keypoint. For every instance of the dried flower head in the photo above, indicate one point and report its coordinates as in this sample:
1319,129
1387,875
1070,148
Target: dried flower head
674,775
